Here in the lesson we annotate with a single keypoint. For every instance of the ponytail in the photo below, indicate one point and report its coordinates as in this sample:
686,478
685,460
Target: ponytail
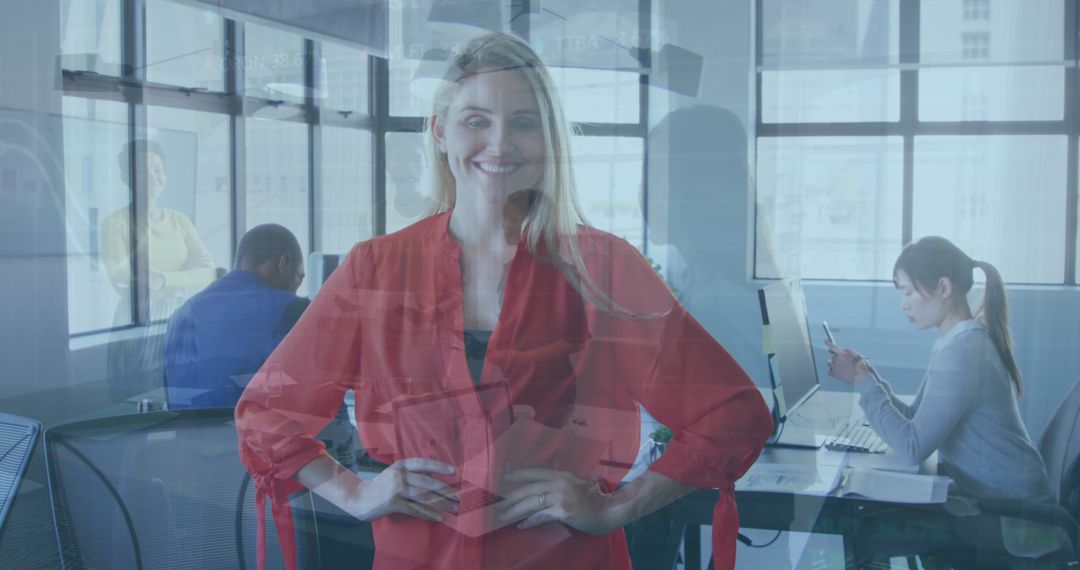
933,257
994,313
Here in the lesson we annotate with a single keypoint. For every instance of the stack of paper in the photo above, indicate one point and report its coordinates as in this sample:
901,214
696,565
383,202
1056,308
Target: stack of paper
802,478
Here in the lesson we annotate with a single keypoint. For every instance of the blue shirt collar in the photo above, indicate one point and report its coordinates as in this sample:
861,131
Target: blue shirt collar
244,277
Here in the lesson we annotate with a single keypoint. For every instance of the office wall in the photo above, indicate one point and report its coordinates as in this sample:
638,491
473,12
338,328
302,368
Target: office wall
33,284
33,287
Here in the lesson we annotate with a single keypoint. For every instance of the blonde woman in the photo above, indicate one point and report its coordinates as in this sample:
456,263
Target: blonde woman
573,321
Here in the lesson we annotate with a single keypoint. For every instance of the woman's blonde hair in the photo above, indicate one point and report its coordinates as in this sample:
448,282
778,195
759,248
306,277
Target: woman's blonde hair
551,224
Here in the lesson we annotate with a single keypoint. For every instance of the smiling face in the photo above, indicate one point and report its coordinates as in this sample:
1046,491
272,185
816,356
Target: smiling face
925,309
155,174
152,171
492,137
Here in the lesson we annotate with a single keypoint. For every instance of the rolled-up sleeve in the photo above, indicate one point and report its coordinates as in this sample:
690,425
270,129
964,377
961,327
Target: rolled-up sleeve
672,366
299,390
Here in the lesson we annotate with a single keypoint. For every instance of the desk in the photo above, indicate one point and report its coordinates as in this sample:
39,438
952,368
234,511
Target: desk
129,405
782,511
794,511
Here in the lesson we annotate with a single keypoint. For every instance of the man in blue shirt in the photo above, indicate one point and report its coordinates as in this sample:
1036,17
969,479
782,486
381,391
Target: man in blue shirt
220,337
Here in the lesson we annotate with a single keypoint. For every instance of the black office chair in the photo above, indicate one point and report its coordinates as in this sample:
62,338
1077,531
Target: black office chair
18,436
161,490
654,540
1060,449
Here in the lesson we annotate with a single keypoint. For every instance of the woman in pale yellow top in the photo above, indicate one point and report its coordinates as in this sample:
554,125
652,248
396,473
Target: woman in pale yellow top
179,266
178,258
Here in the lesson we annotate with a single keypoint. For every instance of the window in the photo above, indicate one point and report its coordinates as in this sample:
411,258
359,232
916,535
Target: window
196,145
968,138
343,81
343,213
982,193
591,55
183,46
277,176
303,131
90,35
1030,93
96,194
598,96
411,93
976,9
828,204
607,173
273,63
1026,82
976,45
829,62
407,193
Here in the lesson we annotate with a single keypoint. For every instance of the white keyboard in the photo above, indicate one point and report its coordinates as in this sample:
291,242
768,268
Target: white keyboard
856,436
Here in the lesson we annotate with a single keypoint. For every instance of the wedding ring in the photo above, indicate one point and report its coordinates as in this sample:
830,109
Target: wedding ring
543,499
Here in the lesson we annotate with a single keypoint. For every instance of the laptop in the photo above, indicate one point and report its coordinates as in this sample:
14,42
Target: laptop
793,375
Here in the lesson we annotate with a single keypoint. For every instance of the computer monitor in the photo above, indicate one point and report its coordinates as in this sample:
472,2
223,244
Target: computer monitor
321,266
792,369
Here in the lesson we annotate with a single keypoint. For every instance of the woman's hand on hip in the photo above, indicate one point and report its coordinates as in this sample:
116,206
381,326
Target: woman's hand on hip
847,365
405,488
557,496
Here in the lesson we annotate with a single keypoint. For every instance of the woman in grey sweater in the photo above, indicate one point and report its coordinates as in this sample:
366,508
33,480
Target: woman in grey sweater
966,406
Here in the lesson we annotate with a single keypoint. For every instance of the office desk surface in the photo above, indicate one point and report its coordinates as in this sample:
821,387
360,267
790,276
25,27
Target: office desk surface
797,511
784,511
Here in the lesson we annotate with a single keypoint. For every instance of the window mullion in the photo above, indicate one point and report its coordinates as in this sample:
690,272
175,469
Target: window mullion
234,86
133,56
1072,120
312,52
644,31
379,108
909,110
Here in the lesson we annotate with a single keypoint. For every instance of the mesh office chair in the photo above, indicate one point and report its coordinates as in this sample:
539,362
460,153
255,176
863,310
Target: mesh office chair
1060,449
160,490
18,436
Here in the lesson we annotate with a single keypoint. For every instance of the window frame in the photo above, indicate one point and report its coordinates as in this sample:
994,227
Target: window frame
909,126
131,88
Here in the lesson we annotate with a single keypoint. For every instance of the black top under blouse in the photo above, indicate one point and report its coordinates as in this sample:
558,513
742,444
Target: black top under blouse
476,345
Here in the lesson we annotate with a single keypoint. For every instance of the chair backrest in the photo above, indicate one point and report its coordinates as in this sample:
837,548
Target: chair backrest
18,436
1060,449
160,490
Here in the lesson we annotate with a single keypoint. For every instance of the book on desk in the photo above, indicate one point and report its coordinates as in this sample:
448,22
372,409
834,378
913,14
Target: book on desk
837,478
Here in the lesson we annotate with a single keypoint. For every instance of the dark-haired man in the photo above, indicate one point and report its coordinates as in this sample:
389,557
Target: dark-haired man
220,337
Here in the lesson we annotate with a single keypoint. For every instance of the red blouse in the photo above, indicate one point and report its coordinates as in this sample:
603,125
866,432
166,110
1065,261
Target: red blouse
388,325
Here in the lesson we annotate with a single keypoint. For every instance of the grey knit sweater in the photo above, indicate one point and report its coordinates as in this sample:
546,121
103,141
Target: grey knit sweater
966,410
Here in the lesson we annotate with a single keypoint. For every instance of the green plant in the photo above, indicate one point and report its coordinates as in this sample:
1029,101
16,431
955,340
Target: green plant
662,434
